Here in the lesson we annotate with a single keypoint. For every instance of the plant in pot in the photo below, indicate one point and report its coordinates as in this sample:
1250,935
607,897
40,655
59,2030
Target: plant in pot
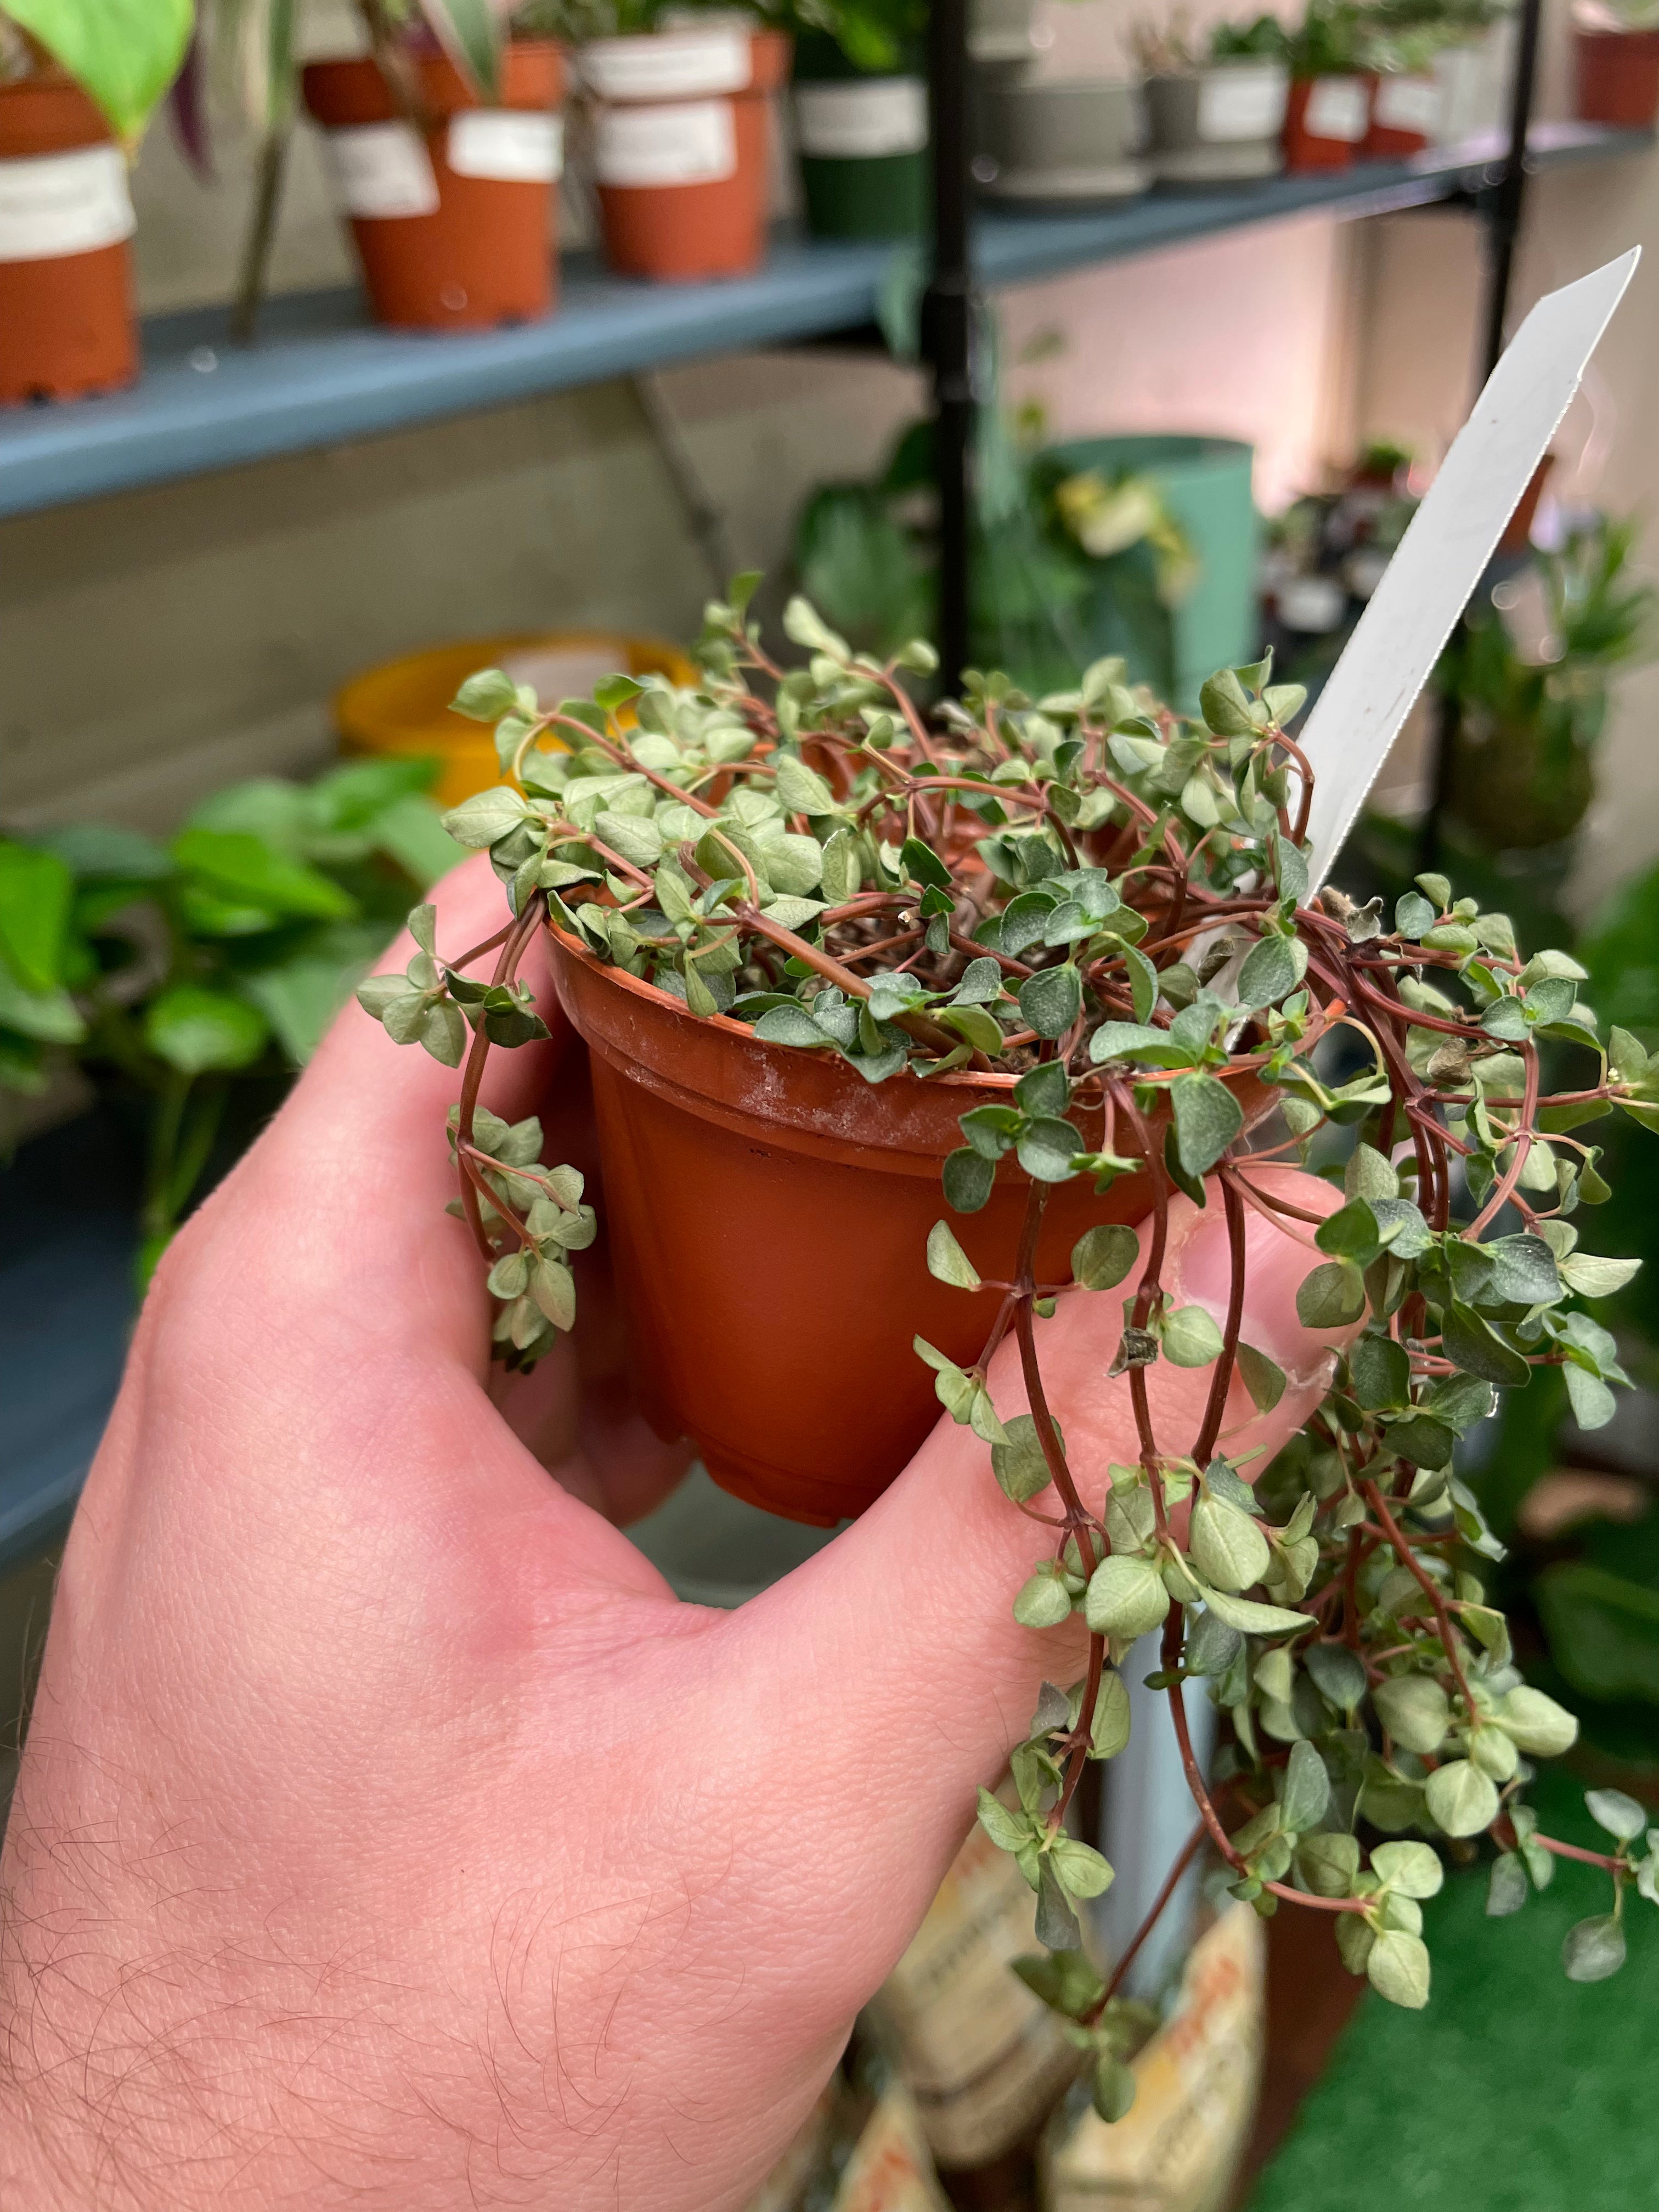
189,979
943,1029
78,83
1328,109
1215,106
860,109
677,101
1616,62
444,146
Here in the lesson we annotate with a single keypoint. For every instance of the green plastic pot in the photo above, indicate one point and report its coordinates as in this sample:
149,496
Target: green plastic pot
842,110
1205,485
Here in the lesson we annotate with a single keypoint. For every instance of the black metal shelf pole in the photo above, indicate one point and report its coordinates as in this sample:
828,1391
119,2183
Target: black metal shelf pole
1501,207
946,325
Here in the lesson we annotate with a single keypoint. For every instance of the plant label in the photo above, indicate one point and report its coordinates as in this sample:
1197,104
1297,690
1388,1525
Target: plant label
1237,104
694,141
1407,103
668,64
380,169
1338,107
53,205
1444,552
517,145
861,121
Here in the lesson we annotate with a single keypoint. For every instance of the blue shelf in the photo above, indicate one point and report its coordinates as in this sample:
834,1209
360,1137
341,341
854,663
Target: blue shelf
321,375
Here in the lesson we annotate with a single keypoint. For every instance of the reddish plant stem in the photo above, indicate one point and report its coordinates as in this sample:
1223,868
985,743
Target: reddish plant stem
1407,1558
521,931
1221,1379
1183,1859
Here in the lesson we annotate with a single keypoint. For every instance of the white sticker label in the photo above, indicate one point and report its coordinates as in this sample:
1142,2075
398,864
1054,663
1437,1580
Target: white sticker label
1407,103
54,204
668,64
380,169
693,143
1338,108
1236,104
861,118
518,145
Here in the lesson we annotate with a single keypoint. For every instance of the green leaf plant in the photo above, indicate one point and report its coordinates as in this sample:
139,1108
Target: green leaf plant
1111,902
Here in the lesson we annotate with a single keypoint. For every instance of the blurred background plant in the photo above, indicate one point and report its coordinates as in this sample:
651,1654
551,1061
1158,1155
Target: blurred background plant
189,980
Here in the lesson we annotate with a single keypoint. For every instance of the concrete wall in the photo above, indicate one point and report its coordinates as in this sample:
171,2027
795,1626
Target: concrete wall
157,643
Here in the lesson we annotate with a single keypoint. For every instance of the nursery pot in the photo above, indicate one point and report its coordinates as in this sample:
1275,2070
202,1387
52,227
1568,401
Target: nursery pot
1077,140
680,149
1205,483
454,221
66,318
403,706
1618,76
1221,125
1325,119
862,141
1406,111
769,1212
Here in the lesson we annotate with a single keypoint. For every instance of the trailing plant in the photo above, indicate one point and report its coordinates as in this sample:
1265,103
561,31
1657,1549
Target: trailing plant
1113,905
1173,48
182,971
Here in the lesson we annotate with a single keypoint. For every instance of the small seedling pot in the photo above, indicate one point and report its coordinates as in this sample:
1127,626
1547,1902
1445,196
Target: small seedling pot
1405,115
1217,126
1325,119
1617,75
769,1212
862,141
66,313
680,149
1077,140
453,221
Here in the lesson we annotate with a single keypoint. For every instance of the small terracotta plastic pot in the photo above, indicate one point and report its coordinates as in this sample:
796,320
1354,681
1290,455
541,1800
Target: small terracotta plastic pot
769,1211
66,313
454,226
681,148
1406,112
1618,76
1325,119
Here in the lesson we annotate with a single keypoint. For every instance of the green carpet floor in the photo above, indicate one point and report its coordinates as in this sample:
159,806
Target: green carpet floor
1515,2091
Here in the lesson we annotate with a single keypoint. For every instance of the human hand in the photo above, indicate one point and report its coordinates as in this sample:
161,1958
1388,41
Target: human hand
387,1835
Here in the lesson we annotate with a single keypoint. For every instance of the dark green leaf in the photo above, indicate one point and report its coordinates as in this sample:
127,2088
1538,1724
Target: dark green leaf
1102,1256
968,1179
1051,1000
1207,1118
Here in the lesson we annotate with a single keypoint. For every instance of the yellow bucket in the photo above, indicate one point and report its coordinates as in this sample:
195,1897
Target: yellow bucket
403,706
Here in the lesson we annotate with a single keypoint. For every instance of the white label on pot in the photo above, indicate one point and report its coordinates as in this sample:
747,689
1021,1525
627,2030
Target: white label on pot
1338,108
1236,104
668,64
1443,554
692,142
1407,103
521,146
380,169
861,119
54,204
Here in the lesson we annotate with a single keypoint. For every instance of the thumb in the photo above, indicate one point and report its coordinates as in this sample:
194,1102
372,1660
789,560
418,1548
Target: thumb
909,1614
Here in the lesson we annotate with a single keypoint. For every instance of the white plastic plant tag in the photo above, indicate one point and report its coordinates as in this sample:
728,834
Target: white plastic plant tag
55,204
519,146
1243,101
693,143
862,119
668,64
1338,107
1408,103
380,169
1444,552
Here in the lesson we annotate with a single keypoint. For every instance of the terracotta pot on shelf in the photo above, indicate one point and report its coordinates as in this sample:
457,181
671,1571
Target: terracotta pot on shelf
680,147
1325,119
1405,116
66,310
454,223
768,1212
1617,74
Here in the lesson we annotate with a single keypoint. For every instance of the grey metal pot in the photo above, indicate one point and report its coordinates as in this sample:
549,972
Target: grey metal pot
1079,140
1217,126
